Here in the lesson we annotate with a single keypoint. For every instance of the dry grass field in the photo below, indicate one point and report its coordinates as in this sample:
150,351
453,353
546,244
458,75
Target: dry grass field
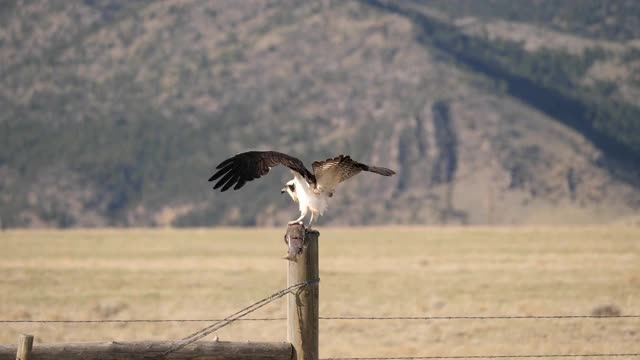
208,274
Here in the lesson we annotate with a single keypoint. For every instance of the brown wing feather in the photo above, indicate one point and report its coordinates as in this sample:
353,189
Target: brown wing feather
238,170
329,173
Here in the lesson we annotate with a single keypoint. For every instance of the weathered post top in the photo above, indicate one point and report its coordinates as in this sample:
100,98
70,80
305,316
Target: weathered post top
302,306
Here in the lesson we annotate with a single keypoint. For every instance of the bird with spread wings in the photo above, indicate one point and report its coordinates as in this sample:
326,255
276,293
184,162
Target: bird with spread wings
311,190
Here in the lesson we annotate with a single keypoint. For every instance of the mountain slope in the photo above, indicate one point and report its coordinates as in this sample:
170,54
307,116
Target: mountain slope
118,111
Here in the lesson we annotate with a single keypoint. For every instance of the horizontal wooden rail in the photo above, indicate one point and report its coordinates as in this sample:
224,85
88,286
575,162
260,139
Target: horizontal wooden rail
115,350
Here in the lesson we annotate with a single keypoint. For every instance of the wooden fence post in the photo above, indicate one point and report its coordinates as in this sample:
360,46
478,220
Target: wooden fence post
25,344
302,306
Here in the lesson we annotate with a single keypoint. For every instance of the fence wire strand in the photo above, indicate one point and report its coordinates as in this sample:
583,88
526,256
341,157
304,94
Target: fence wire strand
498,317
373,318
239,314
130,321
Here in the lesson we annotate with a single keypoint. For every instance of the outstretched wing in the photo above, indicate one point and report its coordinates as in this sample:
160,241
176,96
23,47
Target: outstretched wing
329,173
252,165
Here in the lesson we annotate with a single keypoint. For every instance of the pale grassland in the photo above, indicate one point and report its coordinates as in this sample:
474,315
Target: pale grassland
204,274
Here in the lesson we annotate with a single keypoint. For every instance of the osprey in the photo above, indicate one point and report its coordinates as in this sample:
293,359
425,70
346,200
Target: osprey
311,190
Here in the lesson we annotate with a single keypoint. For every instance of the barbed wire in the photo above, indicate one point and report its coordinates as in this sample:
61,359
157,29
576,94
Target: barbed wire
409,318
495,317
485,356
132,320
237,315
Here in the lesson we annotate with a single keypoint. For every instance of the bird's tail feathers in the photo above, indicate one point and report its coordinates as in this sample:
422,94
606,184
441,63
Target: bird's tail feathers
381,170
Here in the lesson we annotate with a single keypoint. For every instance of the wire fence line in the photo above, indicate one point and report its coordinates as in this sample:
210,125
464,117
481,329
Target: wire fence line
494,317
238,315
370,318
130,321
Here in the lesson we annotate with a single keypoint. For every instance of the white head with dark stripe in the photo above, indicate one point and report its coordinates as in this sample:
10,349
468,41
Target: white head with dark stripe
290,188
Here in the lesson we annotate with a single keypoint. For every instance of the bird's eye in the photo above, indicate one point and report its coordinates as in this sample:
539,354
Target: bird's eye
292,187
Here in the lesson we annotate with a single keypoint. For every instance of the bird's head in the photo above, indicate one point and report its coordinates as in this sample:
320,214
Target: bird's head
290,188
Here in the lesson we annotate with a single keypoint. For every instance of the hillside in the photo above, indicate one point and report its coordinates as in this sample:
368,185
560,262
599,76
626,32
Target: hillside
116,112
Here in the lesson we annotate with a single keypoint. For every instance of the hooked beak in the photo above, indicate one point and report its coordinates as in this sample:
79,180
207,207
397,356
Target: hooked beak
283,191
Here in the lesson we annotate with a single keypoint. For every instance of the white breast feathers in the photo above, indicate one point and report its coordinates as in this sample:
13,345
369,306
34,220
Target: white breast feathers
316,201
